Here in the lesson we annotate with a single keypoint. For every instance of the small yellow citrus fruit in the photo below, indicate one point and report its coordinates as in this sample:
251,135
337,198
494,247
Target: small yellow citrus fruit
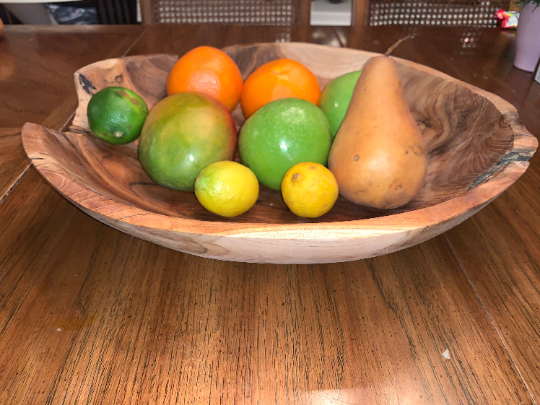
227,188
309,189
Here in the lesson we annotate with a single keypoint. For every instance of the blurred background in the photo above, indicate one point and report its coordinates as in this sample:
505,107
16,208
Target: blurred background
323,12
479,13
70,12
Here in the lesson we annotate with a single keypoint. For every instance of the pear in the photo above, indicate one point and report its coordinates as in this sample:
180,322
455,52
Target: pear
379,155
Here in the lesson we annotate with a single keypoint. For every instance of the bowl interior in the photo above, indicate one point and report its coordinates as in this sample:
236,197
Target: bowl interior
466,135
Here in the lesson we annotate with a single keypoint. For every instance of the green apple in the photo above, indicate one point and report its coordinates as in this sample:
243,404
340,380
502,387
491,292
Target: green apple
336,97
281,134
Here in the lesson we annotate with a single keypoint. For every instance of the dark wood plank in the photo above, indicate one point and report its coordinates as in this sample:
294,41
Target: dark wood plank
146,12
360,11
36,80
305,12
12,157
91,315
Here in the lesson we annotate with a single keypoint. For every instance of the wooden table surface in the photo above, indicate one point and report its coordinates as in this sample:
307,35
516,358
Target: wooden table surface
89,315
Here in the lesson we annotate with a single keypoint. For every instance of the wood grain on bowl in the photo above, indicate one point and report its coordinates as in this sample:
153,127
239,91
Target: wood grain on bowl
477,148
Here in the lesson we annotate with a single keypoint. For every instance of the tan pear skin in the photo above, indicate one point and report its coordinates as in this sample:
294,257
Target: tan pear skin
379,155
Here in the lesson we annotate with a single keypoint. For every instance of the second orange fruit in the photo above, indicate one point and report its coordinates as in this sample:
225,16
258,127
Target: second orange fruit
210,71
282,78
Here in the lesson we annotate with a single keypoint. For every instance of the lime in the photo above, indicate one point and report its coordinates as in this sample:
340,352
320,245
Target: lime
117,115
227,188
336,97
309,189
281,134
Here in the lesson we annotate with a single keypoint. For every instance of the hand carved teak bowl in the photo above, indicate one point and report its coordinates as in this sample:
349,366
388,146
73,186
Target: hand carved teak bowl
477,149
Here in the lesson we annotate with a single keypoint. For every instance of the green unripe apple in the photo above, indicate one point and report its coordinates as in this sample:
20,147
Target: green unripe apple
281,134
336,97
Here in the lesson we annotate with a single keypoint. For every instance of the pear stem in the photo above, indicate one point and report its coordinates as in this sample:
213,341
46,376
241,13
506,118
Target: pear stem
398,43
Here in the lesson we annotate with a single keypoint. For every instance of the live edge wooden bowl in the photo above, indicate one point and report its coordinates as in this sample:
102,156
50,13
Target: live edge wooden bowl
477,149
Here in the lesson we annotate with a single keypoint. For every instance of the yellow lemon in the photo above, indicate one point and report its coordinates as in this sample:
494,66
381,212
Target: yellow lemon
227,188
309,189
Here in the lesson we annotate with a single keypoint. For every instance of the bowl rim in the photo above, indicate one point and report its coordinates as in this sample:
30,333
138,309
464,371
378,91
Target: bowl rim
489,185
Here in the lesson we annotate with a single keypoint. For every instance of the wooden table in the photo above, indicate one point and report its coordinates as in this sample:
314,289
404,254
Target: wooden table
90,315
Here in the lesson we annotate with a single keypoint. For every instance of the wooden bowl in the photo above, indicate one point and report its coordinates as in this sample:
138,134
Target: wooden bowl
477,149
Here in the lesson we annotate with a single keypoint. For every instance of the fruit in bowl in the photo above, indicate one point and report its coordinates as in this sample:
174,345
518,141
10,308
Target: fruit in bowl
336,97
282,78
281,134
182,135
309,189
379,155
227,188
210,71
460,124
117,115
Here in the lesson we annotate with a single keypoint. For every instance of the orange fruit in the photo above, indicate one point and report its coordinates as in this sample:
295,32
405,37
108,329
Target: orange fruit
282,78
210,71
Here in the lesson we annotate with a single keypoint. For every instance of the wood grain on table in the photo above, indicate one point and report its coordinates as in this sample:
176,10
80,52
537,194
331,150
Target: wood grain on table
91,315
13,159
36,80
499,251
